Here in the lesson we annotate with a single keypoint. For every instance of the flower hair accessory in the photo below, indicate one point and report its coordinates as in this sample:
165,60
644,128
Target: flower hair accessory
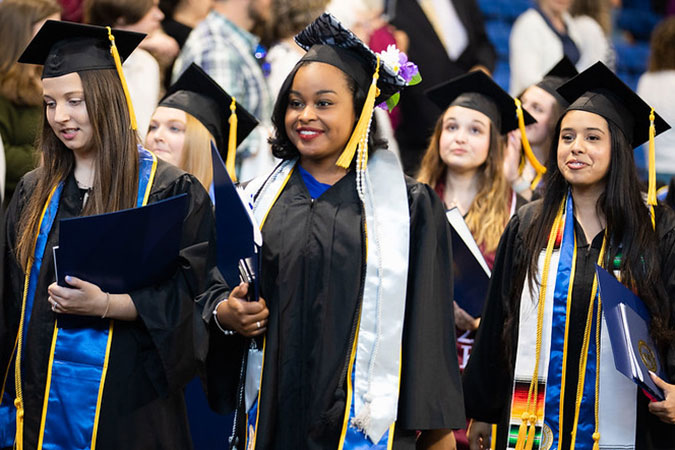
398,62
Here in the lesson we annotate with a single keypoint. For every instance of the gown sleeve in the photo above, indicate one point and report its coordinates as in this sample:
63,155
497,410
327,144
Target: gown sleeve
488,375
431,393
167,310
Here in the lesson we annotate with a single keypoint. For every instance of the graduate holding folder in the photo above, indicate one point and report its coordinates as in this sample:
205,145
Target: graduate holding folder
359,343
112,378
542,364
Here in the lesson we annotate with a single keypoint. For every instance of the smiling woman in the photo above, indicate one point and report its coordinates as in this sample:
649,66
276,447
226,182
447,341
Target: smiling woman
543,344
115,379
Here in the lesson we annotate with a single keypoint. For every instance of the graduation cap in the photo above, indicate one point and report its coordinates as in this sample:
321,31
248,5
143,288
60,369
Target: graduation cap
556,77
67,47
477,91
326,40
599,91
198,94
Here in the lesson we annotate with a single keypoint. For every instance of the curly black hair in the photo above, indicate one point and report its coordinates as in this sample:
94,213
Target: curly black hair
283,148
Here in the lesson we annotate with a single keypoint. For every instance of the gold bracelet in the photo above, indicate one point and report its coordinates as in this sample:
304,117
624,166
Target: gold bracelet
107,305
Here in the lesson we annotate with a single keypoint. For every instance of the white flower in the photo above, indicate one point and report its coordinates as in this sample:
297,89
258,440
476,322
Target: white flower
390,57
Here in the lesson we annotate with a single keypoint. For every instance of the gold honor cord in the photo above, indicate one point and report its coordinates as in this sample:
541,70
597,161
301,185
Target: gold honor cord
541,170
583,359
360,135
526,436
232,141
118,66
651,191
18,401
563,375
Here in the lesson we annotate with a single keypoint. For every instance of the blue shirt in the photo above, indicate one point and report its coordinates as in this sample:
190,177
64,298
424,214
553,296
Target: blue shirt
315,188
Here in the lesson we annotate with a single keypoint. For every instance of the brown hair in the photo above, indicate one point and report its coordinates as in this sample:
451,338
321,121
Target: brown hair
599,10
109,12
116,166
490,209
292,16
662,45
20,83
196,158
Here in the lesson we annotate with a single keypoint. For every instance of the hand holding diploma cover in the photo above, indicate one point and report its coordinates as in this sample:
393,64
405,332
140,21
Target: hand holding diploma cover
470,271
628,326
239,237
124,250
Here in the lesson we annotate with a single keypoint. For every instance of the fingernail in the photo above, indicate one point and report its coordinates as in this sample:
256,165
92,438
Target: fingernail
68,278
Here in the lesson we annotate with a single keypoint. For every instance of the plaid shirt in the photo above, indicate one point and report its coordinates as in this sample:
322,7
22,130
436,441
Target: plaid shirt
227,53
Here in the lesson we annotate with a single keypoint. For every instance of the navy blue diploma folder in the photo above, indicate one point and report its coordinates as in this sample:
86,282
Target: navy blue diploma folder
124,250
628,328
471,274
237,231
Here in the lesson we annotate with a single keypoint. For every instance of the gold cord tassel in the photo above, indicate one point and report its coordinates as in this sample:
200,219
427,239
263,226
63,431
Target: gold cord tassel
596,440
530,433
118,65
18,442
232,141
522,431
651,191
359,136
526,146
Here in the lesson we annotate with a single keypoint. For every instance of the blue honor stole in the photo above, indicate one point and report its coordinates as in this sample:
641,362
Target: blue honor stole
79,353
555,394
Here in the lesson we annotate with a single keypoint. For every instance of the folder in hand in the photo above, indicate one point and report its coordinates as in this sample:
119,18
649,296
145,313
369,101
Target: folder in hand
627,321
124,250
238,236
471,274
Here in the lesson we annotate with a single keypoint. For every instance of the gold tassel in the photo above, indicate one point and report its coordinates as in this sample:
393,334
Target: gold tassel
118,65
651,191
596,441
361,129
232,141
526,144
18,442
493,441
530,433
522,431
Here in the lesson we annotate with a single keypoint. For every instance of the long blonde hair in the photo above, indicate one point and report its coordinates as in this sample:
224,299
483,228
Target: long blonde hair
489,211
196,159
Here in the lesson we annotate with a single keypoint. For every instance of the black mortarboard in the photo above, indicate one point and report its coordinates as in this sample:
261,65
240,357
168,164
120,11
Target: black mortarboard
66,47
556,77
599,91
477,91
327,40
198,94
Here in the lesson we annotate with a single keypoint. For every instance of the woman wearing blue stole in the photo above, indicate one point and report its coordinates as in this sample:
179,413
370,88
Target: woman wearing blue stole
359,350
84,368
542,365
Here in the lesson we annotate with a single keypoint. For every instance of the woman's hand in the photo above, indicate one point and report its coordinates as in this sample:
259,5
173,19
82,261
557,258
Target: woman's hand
664,410
512,156
246,318
463,320
87,299
82,298
479,434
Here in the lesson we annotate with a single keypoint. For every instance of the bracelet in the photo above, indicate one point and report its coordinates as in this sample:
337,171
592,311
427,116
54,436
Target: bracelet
107,305
215,318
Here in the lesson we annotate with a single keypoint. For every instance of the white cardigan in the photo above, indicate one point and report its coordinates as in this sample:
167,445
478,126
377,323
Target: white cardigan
534,48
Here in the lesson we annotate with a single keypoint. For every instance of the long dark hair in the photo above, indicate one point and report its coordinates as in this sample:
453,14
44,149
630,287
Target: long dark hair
116,175
283,148
629,230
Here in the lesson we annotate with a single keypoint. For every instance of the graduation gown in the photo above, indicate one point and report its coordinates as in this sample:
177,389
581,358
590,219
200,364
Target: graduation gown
312,279
488,377
151,358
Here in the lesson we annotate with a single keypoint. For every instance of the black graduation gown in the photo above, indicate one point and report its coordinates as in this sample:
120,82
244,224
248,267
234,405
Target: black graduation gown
151,358
488,377
312,275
